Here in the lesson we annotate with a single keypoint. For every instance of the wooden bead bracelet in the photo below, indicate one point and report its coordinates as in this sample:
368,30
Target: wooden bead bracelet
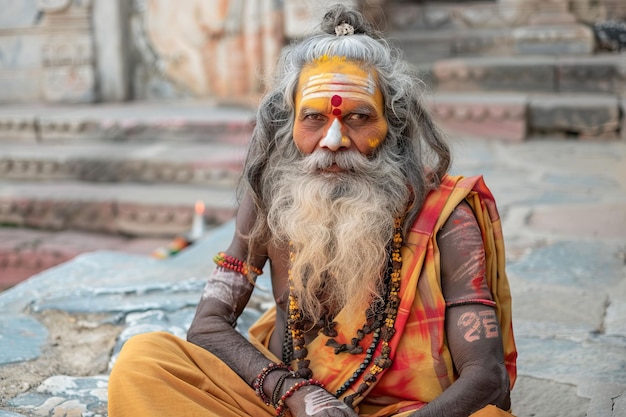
258,382
230,262
281,407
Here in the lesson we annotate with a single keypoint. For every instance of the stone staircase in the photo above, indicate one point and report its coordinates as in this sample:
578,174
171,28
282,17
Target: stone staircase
127,176
531,97
490,75
123,177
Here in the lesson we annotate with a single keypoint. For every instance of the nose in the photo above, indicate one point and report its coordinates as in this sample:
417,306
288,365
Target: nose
335,139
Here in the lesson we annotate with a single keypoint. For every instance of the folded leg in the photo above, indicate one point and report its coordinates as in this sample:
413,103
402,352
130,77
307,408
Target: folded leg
158,374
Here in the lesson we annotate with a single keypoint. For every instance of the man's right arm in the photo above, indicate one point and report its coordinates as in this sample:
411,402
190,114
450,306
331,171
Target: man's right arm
225,296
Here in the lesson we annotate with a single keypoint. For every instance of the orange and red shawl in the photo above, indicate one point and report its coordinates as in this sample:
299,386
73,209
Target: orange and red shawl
422,365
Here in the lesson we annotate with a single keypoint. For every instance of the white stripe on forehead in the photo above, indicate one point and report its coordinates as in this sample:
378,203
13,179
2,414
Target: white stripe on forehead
324,84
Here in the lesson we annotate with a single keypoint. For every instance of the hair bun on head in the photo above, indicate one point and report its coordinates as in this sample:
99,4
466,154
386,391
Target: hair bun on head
344,29
342,21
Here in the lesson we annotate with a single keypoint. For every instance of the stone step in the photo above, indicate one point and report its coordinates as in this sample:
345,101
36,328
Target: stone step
26,252
165,162
583,116
125,209
133,121
429,31
427,46
604,74
519,116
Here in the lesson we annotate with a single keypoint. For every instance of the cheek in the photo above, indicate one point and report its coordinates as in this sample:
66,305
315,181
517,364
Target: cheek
305,139
371,138
380,133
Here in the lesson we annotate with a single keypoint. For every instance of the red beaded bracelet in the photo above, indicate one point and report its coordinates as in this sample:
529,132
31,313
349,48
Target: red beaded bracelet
230,262
281,407
258,382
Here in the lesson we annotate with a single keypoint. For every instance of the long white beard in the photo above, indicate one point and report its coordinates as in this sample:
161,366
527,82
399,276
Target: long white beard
339,225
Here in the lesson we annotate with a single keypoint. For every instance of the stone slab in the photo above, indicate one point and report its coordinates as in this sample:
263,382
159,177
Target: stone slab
614,323
553,39
177,120
424,48
217,164
548,311
619,406
598,221
530,395
134,282
26,252
21,338
491,116
72,396
605,398
582,115
571,264
552,359
430,45
132,209
592,74
10,414
523,74
20,127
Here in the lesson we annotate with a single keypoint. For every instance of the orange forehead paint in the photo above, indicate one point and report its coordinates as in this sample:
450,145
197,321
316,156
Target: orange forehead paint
327,82
336,88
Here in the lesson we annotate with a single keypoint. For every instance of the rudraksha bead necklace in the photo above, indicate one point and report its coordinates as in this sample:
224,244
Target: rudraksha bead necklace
380,319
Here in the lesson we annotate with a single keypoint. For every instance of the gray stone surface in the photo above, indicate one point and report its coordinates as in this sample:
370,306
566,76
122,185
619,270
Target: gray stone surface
21,338
509,73
568,285
146,121
553,39
582,114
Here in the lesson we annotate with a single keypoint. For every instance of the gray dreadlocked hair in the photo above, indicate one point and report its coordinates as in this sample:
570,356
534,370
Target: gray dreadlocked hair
419,148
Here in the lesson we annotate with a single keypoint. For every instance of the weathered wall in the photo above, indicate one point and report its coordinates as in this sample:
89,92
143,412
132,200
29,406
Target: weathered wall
82,51
46,51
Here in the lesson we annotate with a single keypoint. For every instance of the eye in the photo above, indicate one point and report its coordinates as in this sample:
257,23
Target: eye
357,116
356,119
315,117
314,120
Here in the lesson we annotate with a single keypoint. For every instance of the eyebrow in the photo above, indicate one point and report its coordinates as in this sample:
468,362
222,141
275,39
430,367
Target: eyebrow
364,108
361,108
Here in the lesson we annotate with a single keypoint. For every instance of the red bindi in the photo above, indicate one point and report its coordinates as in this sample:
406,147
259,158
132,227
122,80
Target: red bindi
337,112
336,100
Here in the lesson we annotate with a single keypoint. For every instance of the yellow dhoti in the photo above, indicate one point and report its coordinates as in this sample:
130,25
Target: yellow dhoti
159,374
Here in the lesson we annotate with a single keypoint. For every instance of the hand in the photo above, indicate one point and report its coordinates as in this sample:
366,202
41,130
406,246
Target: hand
315,401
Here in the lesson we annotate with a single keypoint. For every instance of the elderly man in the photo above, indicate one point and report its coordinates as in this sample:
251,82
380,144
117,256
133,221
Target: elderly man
388,274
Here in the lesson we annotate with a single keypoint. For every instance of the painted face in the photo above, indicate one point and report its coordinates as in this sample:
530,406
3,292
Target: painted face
338,105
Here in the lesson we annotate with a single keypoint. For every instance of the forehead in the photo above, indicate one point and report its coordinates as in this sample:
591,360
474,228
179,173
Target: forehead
330,76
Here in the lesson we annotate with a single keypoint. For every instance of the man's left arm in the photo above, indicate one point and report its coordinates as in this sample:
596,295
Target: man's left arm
472,328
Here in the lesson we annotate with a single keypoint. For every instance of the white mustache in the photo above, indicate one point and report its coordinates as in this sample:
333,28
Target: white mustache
348,160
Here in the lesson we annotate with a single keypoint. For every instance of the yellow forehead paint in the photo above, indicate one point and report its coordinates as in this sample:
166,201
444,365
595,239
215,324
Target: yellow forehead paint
328,77
337,87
